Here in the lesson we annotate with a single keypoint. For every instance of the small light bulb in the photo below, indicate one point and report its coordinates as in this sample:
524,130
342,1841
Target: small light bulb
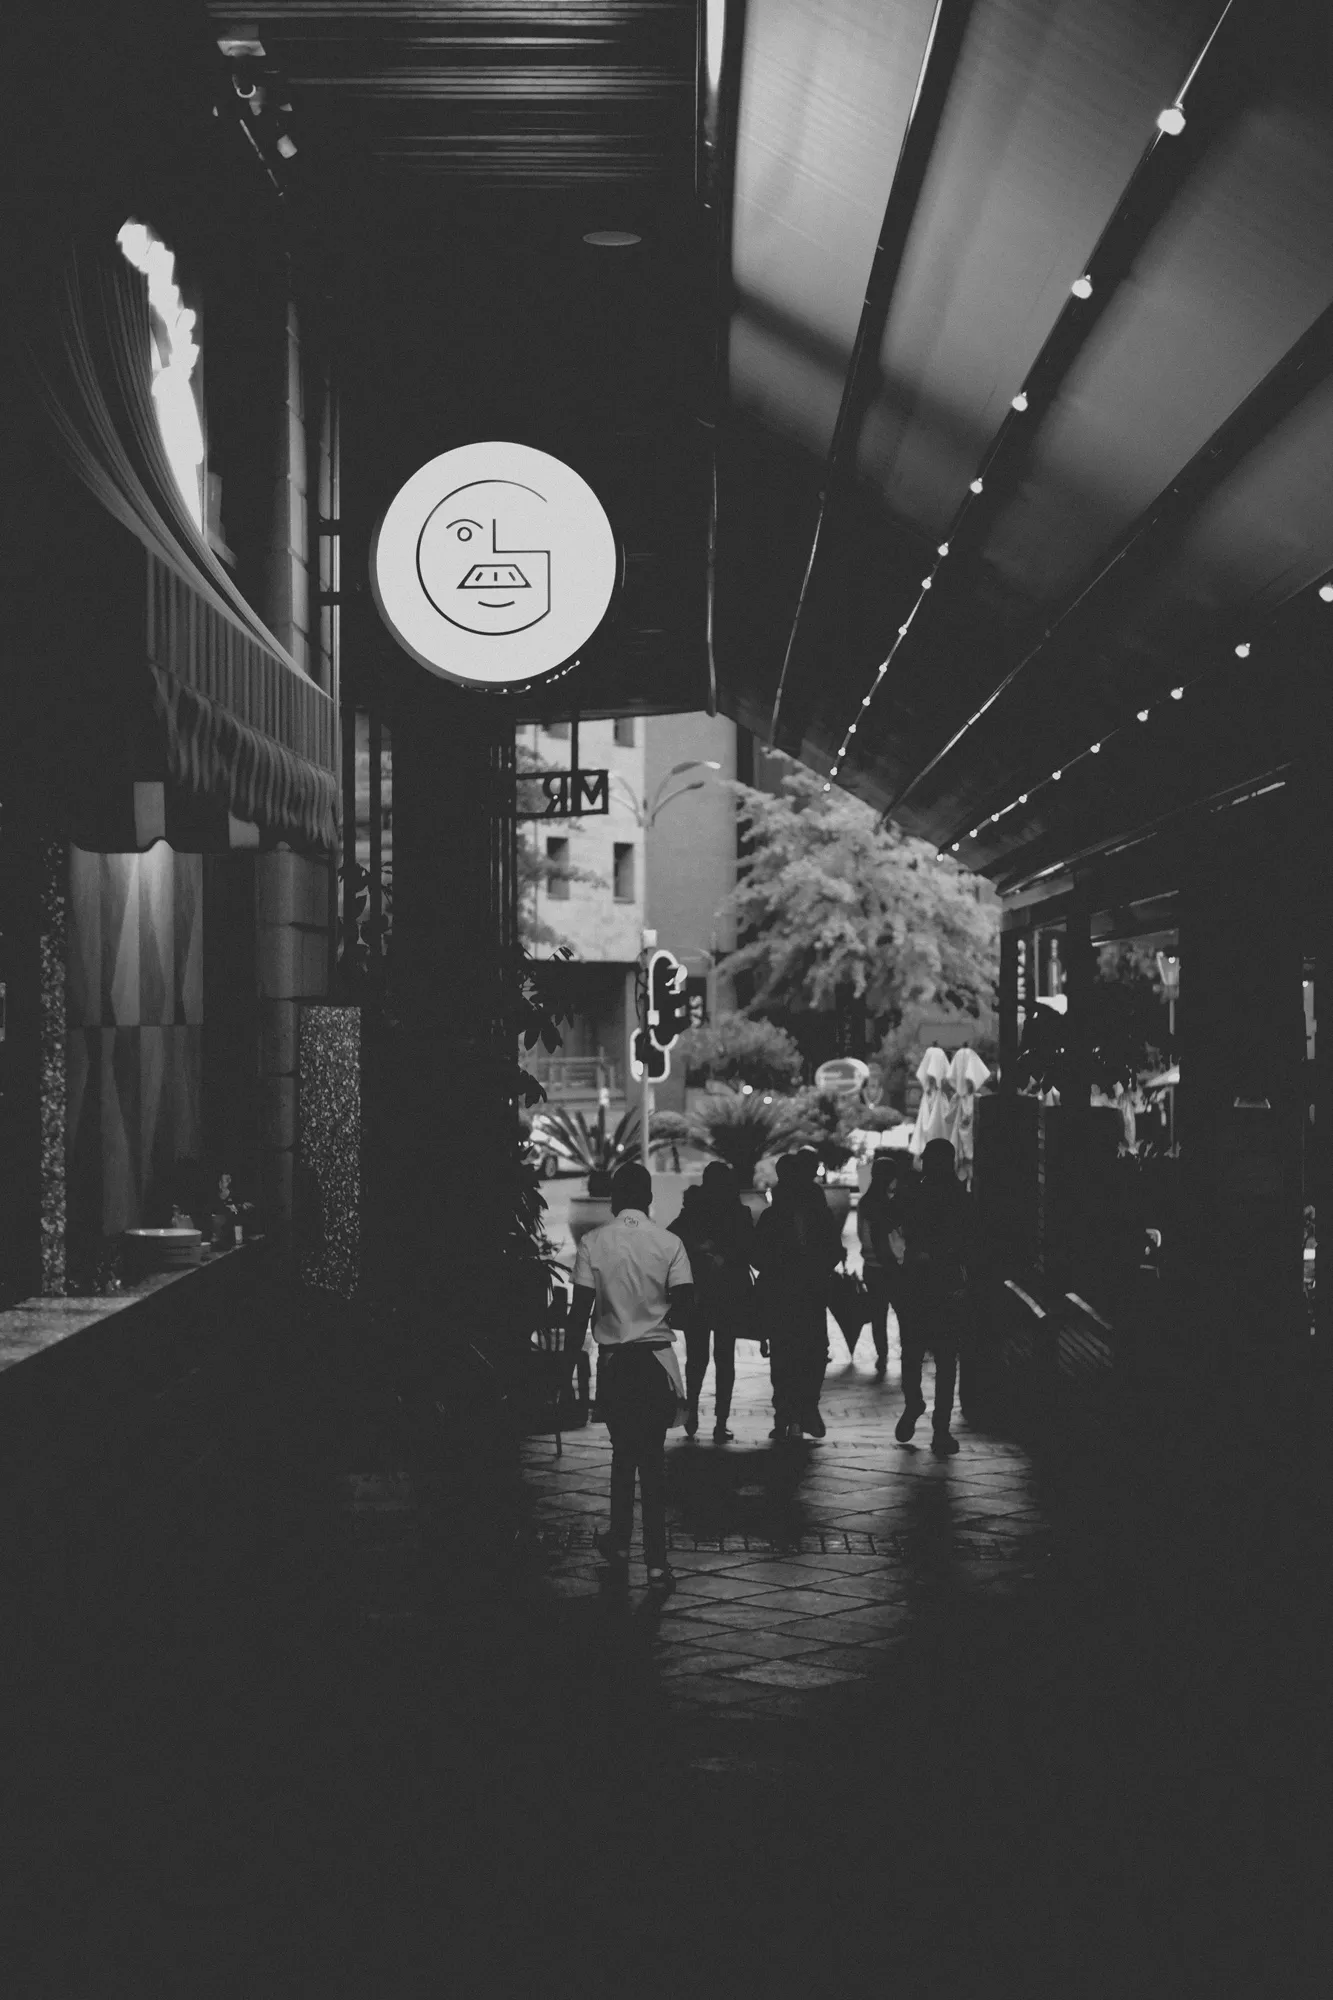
1243,650
1020,401
1326,592
1022,798
1057,774
943,549
1143,715
954,848
287,147
1171,121
850,733
975,831
828,788
902,631
1095,748
1177,694
865,701
975,487
926,582
1082,287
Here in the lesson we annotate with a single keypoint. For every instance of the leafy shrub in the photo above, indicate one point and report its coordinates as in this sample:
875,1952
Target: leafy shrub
736,1050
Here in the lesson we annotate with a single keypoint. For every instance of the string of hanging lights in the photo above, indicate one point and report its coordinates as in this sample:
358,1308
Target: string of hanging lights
1242,650
1170,123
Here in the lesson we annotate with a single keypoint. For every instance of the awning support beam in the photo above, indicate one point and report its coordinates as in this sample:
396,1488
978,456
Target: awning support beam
939,64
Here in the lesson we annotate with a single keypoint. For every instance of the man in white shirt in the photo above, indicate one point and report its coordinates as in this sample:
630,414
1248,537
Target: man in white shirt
634,1279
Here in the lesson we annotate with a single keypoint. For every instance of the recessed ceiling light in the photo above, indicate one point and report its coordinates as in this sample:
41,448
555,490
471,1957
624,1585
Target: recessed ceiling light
611,239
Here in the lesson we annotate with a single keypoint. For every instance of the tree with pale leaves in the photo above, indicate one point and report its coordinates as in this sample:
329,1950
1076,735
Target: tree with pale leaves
831,903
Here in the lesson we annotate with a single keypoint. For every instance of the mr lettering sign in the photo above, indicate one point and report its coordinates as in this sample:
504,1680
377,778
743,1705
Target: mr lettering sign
493,565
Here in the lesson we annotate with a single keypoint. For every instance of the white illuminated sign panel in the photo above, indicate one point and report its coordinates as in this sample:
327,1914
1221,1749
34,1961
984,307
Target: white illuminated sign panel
494,564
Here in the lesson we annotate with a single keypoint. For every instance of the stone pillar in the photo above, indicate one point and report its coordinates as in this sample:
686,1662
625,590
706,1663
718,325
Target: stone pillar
292,915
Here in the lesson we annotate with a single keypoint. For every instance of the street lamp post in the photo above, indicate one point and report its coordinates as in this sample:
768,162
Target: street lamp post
645,812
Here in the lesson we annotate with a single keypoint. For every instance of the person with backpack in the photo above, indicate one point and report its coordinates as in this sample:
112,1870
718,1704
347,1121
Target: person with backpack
717,1230
879,1219
933,1292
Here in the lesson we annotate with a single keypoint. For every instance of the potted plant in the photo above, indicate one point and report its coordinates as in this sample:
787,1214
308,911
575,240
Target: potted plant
742,1127
596,1153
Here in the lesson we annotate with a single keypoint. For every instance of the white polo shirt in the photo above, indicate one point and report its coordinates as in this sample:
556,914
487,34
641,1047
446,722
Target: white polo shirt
631,1264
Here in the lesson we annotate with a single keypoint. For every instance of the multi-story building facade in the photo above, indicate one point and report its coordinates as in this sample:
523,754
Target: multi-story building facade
662,857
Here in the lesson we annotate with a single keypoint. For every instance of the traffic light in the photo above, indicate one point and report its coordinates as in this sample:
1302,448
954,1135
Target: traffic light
644,1052
668,1008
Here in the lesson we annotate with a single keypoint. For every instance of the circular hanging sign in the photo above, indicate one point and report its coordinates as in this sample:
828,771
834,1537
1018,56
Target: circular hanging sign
494,564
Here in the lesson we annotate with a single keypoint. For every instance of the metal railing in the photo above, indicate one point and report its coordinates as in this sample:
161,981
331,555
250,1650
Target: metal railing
574,1076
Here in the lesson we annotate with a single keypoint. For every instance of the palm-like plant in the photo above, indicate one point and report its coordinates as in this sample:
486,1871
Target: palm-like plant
741,1127
590,1148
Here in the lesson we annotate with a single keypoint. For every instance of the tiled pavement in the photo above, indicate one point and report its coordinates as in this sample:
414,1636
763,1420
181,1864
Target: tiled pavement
1049,1718
799,1566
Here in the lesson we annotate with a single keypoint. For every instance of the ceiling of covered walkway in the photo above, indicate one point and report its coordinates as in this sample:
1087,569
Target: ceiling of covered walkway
865,227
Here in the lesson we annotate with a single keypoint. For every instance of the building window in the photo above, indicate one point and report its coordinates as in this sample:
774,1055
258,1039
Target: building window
623,871
624,730
557,861
557,729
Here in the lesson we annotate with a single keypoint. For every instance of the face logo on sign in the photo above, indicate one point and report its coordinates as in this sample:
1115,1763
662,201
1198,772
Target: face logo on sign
471,562
494,564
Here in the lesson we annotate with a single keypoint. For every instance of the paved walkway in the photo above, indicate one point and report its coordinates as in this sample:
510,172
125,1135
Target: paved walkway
1049,1719
800,1566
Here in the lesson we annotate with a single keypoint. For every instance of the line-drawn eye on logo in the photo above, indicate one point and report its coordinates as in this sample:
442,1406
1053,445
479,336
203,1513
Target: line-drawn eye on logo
465,561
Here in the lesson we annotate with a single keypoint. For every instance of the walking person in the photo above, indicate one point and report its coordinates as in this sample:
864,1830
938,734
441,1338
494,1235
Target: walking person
934,1292
634,1281
717,1230
879,1220
797,1242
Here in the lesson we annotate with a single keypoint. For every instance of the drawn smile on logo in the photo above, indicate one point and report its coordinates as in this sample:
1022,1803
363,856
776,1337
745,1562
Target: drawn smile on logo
495,595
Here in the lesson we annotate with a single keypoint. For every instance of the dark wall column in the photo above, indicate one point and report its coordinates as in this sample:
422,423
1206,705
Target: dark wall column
1241,1032
1072,1202
441,1140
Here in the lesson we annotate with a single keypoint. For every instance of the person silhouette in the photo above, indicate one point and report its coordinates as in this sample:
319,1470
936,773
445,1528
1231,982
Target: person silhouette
933,1291
878,1225
717,1230
636,1278
797,1242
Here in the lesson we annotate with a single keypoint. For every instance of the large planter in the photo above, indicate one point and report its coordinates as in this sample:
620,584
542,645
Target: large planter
588,1211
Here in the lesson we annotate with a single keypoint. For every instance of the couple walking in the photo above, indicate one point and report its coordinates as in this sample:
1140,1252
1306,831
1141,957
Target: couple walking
793,1246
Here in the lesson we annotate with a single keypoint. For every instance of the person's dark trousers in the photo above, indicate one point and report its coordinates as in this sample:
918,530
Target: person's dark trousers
639,1403
879,1284
697,1332
931,1324
798,1357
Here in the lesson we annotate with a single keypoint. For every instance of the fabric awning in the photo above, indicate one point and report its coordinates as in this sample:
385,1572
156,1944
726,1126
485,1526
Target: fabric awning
243,727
